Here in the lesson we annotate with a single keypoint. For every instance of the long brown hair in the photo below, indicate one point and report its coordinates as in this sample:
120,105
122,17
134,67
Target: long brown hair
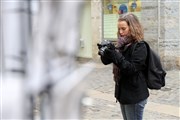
135,27
136,34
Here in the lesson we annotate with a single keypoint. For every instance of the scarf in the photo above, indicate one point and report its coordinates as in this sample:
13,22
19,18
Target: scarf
122,44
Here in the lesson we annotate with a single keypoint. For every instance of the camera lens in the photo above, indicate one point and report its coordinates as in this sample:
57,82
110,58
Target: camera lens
101,51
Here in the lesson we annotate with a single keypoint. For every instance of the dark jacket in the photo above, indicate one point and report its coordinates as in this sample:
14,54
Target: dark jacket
131,87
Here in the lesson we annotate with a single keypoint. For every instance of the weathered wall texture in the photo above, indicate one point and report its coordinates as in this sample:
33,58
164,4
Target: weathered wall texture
170,42
162,30
161,24
96,18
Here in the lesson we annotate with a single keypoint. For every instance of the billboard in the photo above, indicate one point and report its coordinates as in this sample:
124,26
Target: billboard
112,9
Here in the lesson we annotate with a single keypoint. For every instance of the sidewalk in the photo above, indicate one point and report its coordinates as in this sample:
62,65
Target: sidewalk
162,104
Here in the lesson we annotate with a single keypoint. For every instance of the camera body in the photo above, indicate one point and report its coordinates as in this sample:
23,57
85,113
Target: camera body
105,44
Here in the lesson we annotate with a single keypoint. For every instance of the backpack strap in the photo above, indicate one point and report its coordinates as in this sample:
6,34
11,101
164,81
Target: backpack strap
134,46
147,47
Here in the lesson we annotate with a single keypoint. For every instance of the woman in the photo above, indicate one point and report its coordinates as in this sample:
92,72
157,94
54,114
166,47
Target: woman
128,67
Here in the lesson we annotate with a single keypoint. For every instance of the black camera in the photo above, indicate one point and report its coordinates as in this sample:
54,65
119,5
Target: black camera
105,44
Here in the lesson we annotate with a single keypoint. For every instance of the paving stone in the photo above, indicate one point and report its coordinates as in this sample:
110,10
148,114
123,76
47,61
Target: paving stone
101,80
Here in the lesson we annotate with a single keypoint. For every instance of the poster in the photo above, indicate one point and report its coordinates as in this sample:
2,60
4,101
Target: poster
112,9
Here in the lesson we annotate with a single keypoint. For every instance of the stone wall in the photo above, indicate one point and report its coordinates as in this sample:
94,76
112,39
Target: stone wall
96,18
161,24
170,42
162,30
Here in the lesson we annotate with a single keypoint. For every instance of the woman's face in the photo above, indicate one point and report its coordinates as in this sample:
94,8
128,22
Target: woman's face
123,28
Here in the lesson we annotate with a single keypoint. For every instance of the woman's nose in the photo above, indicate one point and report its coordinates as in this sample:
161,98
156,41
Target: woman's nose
120,31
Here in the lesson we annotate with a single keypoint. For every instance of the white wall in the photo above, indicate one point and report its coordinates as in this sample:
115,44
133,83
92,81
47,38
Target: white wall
85,50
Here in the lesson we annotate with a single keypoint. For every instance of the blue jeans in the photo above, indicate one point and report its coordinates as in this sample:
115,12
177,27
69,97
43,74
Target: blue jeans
133,111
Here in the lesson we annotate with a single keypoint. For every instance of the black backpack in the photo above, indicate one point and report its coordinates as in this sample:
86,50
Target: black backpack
154,73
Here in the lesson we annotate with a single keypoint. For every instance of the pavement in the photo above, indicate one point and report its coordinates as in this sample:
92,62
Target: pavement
162,104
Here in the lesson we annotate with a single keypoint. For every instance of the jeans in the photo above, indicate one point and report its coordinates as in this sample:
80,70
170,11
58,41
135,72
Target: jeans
133,111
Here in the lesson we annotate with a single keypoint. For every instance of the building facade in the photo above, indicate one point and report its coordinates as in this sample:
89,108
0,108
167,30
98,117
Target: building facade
160,19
